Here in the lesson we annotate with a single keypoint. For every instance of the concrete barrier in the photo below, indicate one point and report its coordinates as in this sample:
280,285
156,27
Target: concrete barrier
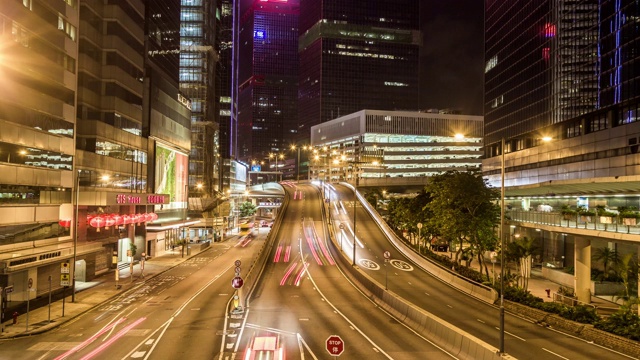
451,338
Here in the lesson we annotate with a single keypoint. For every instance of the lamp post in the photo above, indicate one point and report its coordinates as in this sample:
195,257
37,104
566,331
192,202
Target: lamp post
502,249
75,238
294,147
419,225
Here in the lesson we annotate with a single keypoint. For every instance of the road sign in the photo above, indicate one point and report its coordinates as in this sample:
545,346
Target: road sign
237,270
387,255
8,289
237,282
64,268
65,280
237,263
30,283
335,345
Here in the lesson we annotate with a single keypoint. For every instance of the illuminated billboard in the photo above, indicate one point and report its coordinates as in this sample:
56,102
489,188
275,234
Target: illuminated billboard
171,169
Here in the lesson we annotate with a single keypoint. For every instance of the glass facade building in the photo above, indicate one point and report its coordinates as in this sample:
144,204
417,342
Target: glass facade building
355,57
38,78
198,63
565,71
267,76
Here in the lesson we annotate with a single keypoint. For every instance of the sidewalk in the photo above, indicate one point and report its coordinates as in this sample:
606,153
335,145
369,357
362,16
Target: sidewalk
92,294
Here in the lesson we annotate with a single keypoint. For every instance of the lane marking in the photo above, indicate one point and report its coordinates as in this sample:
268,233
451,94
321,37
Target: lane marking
551,352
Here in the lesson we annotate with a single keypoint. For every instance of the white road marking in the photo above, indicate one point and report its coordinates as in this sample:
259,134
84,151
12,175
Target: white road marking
551,352
480,321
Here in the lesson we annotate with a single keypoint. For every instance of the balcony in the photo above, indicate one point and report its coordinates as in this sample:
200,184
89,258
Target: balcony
587,226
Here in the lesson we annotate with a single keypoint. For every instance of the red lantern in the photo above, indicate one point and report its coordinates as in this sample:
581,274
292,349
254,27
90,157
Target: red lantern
97,222
126,219
89,217
140,218
118,219
109,221
65,223
147,217
154,216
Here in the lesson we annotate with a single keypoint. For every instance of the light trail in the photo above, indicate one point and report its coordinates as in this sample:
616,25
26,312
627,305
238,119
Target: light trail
108,343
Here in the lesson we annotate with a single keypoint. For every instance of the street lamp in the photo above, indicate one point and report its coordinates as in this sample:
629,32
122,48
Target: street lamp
75,238
294,147
502,249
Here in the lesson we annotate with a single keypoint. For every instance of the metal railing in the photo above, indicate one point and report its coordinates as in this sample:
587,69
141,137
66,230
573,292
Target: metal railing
574,221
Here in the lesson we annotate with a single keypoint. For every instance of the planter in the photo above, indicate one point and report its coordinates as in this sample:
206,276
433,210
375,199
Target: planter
585,218
606,220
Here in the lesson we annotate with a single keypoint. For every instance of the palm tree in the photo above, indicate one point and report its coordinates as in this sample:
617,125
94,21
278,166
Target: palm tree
608,257
521,251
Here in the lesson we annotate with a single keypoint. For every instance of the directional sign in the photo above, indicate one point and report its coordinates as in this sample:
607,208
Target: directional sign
237,282
8,289
335,345
238,271
64,268
387,255
30,283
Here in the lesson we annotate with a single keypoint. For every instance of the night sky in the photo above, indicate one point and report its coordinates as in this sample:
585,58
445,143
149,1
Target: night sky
452,61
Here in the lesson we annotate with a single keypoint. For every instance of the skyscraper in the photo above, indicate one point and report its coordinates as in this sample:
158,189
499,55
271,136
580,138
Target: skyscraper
198,70
562,96
266,76
558,68
355,56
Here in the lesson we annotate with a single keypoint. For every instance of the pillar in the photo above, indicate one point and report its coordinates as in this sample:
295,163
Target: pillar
582,279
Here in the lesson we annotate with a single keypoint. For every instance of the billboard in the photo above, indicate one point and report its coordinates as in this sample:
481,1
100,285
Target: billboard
171,169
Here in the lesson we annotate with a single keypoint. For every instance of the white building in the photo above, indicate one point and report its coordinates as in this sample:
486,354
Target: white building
395,148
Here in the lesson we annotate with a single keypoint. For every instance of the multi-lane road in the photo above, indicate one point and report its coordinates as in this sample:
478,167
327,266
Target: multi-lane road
303,297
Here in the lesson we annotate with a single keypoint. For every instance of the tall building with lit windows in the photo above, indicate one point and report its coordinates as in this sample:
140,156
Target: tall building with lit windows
562,125
198,69
266,76
356,56
38,82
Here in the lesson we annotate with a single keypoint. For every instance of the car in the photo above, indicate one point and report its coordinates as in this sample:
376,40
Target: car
264,347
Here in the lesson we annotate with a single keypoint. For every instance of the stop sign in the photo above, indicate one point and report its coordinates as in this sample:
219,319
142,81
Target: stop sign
335,345
237,282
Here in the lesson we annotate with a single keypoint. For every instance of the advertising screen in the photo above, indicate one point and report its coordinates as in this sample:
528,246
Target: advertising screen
171,169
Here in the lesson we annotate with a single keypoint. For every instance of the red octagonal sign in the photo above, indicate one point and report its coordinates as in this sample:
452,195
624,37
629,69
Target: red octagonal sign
335,345
237,282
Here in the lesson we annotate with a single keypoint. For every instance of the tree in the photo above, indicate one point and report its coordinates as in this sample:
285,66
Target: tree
464,208
608,257
247,209
520,251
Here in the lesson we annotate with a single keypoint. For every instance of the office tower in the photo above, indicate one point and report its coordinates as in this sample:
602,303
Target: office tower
562,95
166,120
266,74
356,56
550,76
198,80
38,77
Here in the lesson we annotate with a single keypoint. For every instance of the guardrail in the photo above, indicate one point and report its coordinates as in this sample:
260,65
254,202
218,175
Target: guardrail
259,262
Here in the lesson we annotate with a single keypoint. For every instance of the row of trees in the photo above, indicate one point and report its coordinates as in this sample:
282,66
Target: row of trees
462,210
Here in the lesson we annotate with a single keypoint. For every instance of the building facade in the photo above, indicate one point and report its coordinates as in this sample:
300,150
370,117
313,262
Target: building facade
267,76
394,148
355,57
198,79
564,71
38,76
